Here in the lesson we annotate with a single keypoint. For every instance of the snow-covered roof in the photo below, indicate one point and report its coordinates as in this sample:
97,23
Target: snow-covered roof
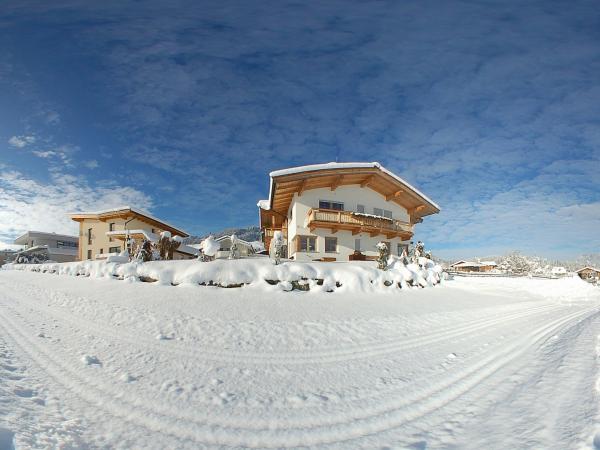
344,165
264,204
228,236
27,234
473,264
589,268
133,210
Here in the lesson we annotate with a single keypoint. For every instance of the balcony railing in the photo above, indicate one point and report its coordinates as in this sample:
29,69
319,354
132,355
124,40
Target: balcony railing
270,232
357,223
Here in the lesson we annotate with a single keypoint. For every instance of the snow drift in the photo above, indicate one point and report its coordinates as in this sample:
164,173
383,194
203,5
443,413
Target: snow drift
361,276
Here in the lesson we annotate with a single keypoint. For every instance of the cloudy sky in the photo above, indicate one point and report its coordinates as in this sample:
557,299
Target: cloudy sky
492,108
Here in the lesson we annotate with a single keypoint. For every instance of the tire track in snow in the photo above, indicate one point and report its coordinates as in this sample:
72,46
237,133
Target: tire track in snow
297,358
370,420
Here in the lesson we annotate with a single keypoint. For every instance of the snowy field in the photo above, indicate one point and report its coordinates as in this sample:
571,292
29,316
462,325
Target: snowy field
468,364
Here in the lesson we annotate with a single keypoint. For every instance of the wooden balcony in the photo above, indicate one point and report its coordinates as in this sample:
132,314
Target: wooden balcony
358,223
268,234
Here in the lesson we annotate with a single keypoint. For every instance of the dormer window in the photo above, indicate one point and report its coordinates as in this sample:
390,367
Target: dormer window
360,209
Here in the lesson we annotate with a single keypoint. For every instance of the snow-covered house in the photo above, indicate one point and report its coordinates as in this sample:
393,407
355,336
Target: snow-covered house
589,273
245,248
473,266
337,210
105,232
55,247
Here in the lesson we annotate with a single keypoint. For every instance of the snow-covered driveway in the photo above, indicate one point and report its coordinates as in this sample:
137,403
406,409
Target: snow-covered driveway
494,363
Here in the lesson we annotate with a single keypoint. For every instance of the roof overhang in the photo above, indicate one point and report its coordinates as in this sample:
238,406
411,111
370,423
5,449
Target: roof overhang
288,182
127,213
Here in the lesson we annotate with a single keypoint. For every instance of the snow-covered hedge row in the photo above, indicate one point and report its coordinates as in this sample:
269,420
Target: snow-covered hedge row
353,276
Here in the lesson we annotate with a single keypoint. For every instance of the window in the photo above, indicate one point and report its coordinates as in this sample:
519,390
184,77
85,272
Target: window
307,244
89,234
89,254
357,245
111,227
327,204
60,244
330,244
378,211
360,208
401,248
114,249
387,214
153,231
101,250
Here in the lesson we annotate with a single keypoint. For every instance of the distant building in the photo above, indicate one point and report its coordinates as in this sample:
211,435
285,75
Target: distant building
340,211
7,255
559,271
589,274
104,232
474,266
56,247
244,248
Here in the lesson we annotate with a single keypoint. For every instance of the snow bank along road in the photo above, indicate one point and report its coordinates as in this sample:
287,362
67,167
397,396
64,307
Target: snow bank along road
474,363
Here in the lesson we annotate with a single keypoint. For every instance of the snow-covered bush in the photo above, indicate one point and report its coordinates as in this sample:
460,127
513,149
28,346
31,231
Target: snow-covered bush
276,247
259,273
209,248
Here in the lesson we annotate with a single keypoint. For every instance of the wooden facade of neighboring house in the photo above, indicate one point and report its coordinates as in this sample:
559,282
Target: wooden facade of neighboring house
589,273
473,266
338,211
105,232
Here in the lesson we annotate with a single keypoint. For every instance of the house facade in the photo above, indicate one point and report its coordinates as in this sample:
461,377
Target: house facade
474,266
102,233
590,274
57,247
340,211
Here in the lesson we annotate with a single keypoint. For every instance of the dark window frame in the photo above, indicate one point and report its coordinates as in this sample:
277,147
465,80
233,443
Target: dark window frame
332,205
307,248
330,238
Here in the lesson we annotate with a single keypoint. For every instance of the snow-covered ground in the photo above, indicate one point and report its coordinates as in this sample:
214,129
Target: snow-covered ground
471,363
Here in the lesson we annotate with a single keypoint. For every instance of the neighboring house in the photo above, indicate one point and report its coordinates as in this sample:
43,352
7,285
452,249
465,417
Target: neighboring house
336,210
558,271
105,232
589,274
474,266
245,248
57,247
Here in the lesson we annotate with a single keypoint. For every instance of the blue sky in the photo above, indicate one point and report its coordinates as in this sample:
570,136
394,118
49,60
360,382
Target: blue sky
491,108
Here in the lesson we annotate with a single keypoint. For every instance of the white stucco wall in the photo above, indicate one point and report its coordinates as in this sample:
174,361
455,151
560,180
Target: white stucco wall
350,196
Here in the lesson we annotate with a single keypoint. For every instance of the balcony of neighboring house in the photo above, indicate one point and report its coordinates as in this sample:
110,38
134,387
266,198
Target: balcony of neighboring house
355,222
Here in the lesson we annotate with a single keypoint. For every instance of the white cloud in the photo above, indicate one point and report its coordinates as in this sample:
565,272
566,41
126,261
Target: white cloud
91,164
26,204
21,141
45,154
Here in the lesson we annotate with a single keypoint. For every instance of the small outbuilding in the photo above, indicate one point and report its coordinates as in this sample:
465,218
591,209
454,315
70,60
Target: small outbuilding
589,274
473,266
